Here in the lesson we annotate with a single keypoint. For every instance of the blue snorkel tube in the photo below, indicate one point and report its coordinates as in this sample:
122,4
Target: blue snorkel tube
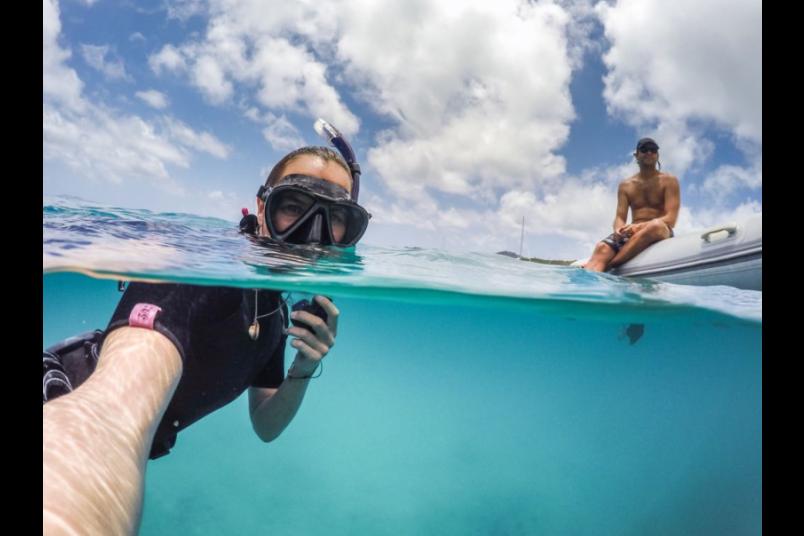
333,136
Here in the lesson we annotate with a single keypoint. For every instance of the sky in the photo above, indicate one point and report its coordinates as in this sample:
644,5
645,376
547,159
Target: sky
466,115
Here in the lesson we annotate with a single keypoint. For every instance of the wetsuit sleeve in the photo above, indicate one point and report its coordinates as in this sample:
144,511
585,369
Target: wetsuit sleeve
173,321
274,372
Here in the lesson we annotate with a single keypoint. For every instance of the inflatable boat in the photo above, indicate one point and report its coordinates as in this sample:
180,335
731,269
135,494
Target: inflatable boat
728,254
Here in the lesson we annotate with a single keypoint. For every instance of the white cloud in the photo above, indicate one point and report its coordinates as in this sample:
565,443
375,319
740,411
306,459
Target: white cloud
137,36
153,98
185,9
728,178
96,57
690,220
208,74
220,204
576,216
281,134
252,113
290,78
260,50
575,210
104,146
480,90
101,143
168,58
203,141
670,68
59,82
424,214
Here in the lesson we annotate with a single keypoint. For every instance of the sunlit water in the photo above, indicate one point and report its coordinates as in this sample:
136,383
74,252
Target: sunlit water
467,394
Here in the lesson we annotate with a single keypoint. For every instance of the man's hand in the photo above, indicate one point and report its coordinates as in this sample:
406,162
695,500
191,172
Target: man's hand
631,229
313,345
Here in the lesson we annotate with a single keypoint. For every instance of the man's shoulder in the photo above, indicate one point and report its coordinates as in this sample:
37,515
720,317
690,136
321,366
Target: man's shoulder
628,182
668,178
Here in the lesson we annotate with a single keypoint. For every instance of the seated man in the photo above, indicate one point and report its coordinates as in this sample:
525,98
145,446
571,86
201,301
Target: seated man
654,199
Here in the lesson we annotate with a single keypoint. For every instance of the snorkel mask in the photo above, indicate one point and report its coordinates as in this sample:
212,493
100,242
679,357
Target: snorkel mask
320,212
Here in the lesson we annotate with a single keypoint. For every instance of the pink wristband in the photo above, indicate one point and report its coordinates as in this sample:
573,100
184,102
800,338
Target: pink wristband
143,315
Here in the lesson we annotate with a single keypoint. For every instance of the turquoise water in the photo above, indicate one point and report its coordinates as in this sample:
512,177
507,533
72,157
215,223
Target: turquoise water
467,394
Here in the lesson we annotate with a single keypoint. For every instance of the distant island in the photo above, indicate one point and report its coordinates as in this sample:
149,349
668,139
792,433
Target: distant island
535,259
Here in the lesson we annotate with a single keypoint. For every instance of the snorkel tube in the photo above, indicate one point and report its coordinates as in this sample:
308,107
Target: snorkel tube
333,136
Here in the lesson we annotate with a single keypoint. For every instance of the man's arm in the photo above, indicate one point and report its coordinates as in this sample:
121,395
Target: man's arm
272,409
622,208
96,439
672,201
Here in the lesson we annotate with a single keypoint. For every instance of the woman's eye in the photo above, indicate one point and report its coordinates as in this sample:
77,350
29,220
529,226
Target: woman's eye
292,209
339,218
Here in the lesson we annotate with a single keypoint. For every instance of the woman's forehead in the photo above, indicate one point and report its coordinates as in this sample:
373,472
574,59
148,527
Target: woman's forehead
318,167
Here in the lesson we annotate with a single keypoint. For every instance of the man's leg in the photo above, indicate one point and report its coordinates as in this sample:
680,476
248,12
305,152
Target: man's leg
653,232
600,258
96,439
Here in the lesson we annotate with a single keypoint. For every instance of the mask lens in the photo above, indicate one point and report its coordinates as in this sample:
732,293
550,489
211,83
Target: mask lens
348,223
302,217
286,207
339,220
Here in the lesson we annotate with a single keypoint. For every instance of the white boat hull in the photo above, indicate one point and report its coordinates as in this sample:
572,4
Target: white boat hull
728,254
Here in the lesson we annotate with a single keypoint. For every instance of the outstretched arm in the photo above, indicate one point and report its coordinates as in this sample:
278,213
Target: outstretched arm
96,439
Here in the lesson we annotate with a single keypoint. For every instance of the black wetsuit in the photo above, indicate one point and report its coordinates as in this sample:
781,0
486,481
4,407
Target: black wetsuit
209,326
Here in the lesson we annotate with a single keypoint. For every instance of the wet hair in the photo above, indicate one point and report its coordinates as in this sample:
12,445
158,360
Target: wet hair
325,153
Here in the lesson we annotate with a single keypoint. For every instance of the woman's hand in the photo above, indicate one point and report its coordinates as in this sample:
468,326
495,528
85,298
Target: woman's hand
313,344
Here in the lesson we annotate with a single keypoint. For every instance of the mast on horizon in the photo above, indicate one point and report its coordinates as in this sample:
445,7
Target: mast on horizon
522,237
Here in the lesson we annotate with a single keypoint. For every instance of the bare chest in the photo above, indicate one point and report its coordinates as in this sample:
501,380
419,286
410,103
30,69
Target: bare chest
646,195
